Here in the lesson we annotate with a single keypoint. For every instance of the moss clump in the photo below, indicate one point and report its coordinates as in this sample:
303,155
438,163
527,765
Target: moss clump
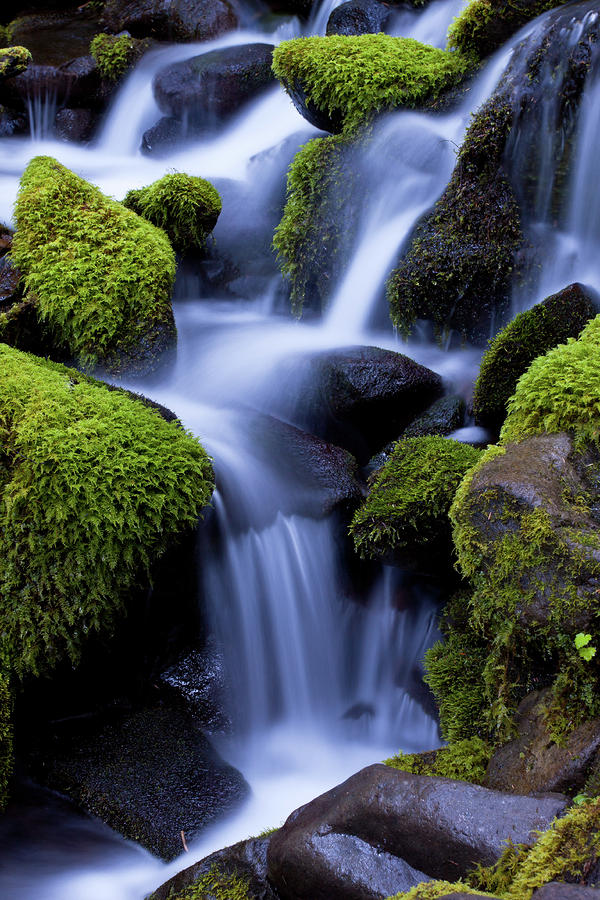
560,392
529,335
184,206
13,60
352,78
407,506
101,275
459,265
94,488
486,24
217,885
306,239
6,748
432,890
464,760
115,54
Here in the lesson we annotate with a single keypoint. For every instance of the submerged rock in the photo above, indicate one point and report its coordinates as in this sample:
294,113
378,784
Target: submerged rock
74,124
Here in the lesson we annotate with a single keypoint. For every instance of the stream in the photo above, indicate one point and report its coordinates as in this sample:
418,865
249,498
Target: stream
299,652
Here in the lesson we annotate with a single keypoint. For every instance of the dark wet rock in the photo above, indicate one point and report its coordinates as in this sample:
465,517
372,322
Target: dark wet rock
300,8
361,397
532,333
436,825
20,327
534,762
150,774
359,17
246,860
6,236
76,83
199,679
559,891
86,86
177,20
12,122
56,35
163,137
74,124
10,278
208,89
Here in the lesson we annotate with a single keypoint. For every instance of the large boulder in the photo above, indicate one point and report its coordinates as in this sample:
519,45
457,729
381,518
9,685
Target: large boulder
174,20
114,308
150,774
347,842
359,17
208,89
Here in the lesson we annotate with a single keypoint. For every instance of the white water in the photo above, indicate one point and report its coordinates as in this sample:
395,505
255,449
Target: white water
300,654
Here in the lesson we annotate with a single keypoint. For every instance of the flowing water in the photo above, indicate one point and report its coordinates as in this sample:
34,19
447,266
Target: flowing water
320,684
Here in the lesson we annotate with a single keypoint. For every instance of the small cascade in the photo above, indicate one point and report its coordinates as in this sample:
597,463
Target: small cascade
41,112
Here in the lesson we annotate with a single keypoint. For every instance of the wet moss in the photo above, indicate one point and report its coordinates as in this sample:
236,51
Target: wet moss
352,78
529,335
215,885
95,487
13,60
101,275
184,206
6,736
464,760
115,54
407,506
484,25
432,890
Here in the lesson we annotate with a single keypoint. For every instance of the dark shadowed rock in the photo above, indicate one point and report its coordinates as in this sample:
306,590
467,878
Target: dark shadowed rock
199,679
150,774
533,762
166,134
436,825
362,397
208,89
246,860
558,891
174,20
359,17
74,124
12,122
6,236
76,83
10,278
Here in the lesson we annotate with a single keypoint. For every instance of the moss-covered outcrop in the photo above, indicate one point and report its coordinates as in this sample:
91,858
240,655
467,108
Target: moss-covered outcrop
184,206
340,82
217,885
13,61
459,264
94,487
464,760
116,53
484,25
435,890
405,516
101,276
531,334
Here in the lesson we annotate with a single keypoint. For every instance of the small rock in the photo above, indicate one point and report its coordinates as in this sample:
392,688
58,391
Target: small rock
74,124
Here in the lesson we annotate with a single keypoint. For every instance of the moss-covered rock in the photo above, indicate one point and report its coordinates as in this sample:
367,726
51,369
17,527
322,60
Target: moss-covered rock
464,760
440,890
94,488
405,516
184,206
484,25
459,264
340,82
101,275
530,334
13,61
6,736
116,53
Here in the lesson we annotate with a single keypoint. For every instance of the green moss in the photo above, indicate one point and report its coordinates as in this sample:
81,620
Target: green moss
459,265
431,890
529,335
101,275
215,885
559,392
6,743
306,239
484,25
454,674
114,54
13,60
464,760
4,36
95,487
352,78
184,206
409,500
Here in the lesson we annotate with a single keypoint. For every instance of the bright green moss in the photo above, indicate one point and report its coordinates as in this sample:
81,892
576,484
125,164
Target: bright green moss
215,884
95,487
114,54
352,78
184,206
431,890
13,60
408,503
101,275
529,335
454,673
486,24
559,392
464,760
6,748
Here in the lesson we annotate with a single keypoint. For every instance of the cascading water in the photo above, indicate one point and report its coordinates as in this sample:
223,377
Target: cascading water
321,685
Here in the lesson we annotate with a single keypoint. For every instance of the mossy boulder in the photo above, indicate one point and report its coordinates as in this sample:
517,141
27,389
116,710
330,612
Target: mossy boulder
100,275
95,486
484,25
532,333
458,268
405,516
464,760
13,61
340,82
114,54
184,206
